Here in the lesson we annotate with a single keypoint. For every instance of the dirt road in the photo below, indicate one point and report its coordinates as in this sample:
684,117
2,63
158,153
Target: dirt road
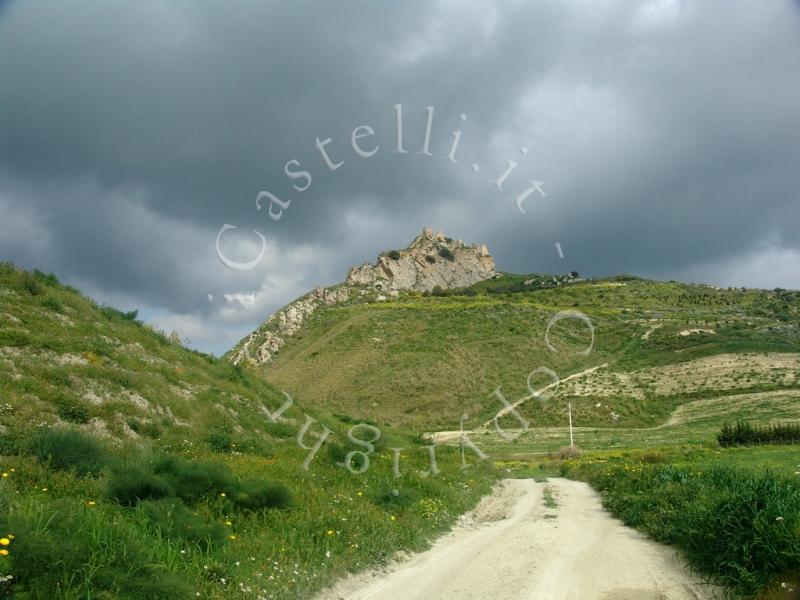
514,547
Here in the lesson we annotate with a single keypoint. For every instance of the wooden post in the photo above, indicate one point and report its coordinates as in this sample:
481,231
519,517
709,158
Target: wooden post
571,442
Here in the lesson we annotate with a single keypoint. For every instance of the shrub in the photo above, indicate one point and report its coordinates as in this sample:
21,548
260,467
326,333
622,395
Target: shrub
279,429
652,457
14,338
259,494
53,304
11,444
133,484
220,440
72,410
394,255
746,434
7,268
567,452
113,314
193,480
174,520
96,558
430,258
46,278
446,254
67,449
31,284
231,372
145,428
336,452
395,497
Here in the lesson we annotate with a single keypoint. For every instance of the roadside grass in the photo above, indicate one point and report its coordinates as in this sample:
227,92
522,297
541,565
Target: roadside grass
739,527
213,544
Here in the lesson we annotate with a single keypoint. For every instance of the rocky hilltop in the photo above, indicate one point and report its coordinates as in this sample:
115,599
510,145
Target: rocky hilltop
432,260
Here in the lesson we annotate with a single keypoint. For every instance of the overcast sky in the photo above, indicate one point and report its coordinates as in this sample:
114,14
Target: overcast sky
666,135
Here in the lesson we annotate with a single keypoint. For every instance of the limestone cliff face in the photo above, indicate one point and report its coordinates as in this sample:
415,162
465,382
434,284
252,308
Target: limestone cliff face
264,342
431,260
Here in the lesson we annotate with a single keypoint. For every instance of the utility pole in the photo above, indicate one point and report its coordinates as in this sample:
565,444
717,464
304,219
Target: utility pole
571,442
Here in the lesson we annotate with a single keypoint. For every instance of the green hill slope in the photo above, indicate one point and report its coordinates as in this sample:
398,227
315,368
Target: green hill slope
423,361
133,468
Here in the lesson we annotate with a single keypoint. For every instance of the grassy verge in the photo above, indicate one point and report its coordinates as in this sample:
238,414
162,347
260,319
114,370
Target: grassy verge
736,521
217,525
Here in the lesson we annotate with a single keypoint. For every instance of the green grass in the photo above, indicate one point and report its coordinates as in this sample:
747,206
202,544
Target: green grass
423,361
548,498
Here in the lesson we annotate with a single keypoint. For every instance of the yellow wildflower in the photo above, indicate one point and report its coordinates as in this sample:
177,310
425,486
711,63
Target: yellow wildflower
4,541
3,552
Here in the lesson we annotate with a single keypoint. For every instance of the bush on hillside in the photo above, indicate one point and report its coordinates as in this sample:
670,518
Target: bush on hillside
65,542
48,279
447,254
256,494
172,519
53,304
113,314
193,480
131,485
394,498
145,427
72,410
175,478
31,285
67,449
220,440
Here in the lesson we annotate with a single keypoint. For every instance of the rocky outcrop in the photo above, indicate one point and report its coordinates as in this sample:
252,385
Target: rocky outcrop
265,341
431,260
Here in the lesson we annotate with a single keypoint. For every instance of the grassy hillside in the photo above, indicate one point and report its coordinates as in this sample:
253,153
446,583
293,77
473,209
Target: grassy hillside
133,468
423,361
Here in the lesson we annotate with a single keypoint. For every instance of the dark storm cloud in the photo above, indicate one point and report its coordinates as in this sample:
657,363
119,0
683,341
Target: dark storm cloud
665,133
